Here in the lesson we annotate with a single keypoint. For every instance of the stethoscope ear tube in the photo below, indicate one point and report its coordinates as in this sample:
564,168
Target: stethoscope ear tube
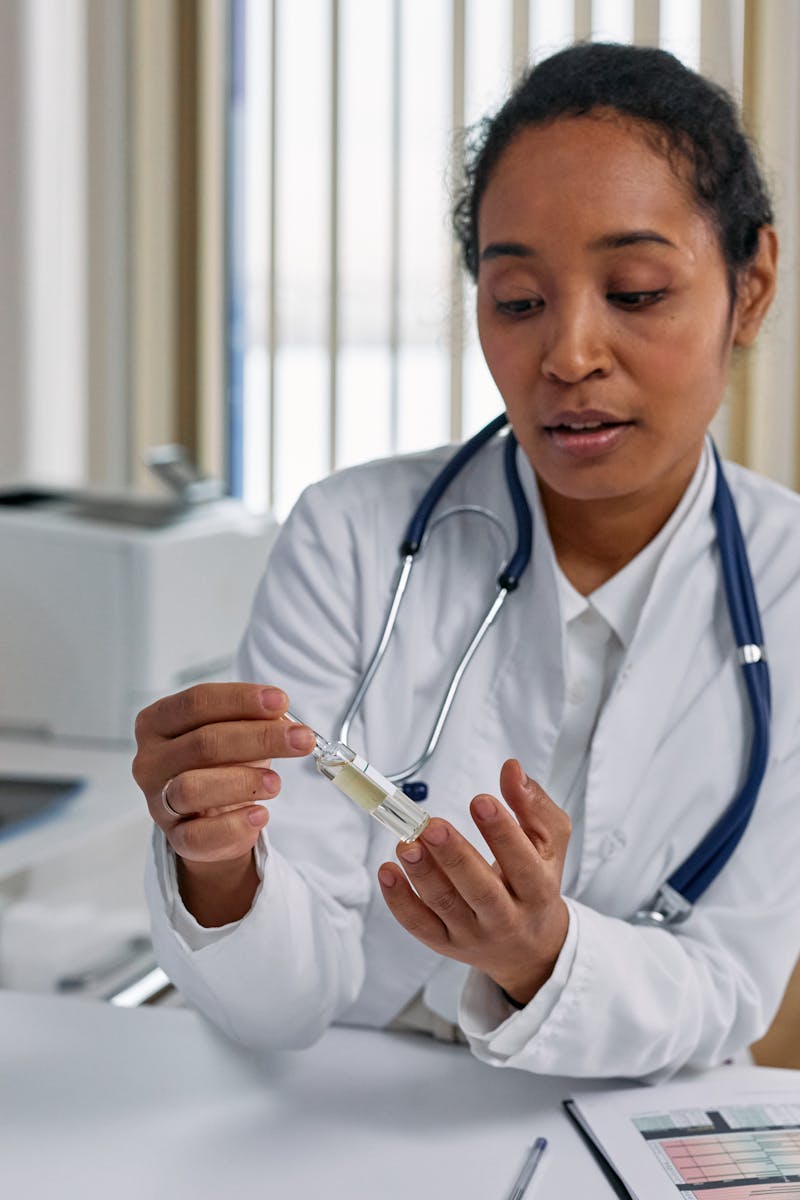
418,530
416,526
400,585
510,576
704,864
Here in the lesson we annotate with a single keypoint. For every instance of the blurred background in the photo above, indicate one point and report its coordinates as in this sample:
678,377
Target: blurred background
224,223
227,270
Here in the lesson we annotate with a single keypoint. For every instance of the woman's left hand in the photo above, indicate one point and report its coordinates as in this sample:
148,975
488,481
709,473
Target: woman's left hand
507,919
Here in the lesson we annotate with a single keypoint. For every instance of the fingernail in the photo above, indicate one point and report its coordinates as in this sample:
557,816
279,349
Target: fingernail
435,835
485,807
521,775
411,853
273,699
258,817
271,782
300,737
386,878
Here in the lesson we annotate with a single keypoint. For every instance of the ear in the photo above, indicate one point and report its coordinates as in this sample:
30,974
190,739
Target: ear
755,288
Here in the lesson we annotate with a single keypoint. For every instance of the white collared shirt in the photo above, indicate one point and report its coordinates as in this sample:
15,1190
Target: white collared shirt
598,631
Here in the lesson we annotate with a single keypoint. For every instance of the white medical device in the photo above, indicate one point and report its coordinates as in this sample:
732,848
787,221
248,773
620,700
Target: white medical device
108,602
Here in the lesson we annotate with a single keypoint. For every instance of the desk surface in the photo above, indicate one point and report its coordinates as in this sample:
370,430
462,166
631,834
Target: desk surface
98,1102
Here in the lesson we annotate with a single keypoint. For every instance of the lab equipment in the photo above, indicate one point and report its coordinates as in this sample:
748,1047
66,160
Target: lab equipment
26,800
673,901
110,601
366,787
532,1160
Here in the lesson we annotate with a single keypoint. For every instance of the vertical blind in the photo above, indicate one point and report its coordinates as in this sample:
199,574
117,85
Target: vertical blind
351,326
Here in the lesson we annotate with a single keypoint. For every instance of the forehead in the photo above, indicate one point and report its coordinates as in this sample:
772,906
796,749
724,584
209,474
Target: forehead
589,172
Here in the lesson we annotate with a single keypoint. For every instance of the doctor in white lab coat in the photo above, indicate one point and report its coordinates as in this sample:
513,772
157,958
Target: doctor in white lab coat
610,300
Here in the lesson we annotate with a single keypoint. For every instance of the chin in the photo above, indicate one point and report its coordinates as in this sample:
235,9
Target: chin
589,492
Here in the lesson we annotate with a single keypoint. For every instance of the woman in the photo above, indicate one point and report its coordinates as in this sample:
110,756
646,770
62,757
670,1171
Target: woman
620,236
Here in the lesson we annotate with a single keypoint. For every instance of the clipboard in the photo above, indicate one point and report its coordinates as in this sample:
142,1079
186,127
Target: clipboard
731,1133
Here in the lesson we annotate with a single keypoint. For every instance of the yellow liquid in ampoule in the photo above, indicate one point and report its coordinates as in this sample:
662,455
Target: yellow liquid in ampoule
358,787
372,792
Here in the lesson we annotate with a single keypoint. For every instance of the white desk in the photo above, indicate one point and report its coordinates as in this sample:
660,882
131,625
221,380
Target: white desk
103,1102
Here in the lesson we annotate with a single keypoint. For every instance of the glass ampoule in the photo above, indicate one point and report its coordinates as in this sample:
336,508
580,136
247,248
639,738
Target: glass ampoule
358,779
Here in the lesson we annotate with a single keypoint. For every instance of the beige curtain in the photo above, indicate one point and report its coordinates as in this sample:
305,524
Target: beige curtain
764,429
765,417
178,78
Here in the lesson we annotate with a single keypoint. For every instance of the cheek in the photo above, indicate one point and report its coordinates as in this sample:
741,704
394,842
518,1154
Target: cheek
510,358
695,363
688,362
499,364
487,334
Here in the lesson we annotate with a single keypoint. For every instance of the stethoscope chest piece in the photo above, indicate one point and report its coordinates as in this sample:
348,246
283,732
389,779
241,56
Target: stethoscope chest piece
416,790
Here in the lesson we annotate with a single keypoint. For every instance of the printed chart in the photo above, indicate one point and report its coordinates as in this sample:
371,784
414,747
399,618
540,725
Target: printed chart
733,1153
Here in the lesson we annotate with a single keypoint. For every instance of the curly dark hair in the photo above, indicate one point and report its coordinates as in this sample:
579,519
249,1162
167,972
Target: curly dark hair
692,121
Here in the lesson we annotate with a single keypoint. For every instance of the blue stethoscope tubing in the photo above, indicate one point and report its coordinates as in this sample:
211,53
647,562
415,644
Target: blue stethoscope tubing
674,899
512,572
702,866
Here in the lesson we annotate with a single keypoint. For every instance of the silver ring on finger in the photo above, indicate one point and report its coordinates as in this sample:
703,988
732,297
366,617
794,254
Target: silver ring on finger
166,803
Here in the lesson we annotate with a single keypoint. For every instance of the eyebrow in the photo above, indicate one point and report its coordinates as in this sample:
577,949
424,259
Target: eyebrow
609,241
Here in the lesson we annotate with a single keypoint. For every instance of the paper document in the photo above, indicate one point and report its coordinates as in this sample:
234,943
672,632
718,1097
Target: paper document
729,1134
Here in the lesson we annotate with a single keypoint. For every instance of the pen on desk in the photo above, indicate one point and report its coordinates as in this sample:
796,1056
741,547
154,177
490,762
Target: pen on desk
532,1160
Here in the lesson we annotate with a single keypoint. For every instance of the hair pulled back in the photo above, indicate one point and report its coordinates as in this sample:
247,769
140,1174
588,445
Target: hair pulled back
693,121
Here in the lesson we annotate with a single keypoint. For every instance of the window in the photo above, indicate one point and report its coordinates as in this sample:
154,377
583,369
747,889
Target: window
350,332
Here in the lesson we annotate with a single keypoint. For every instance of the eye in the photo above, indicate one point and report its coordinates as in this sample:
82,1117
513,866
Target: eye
517,308
637,299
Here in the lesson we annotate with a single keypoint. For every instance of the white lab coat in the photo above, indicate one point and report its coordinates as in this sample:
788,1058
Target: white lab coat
668,754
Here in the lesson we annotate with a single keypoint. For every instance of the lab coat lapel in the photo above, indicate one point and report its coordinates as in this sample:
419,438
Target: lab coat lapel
667,662
531,712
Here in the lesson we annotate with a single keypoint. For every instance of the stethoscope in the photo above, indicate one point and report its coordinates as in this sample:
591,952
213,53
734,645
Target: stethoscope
673,901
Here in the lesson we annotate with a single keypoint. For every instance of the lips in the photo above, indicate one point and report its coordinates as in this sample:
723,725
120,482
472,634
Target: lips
572,420
588,434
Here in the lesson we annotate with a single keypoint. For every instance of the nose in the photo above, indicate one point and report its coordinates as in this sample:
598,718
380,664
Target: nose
576,343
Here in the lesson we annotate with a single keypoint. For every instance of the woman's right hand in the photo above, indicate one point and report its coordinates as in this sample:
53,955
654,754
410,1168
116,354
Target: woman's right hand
203,761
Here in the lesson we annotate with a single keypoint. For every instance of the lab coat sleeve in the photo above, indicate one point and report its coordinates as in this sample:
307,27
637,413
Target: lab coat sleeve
483,1007
279,976
197,936
642,1003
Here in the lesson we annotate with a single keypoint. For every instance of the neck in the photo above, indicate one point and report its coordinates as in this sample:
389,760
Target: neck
594,539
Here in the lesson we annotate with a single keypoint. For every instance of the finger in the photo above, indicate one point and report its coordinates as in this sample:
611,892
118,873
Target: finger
434,887
207,704
216,790
545,823
455,880
409,910
234,742
517,860
212,839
